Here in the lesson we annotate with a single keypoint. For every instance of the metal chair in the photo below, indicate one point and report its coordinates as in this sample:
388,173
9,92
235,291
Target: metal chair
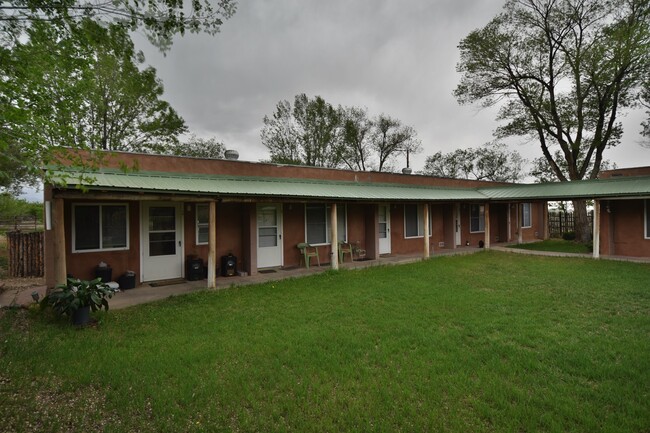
345,248
308,252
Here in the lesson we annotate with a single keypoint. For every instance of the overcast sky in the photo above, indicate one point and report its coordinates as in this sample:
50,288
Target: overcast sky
393,56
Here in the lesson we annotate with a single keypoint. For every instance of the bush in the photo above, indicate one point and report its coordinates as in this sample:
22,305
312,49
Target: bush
569,236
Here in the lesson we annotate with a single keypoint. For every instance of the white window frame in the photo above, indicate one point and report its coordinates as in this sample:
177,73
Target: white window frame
100,205
646,219
420,218
523,215
328,226
198,224
481,215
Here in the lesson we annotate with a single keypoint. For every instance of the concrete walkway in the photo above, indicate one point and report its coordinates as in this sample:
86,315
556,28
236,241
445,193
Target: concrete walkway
146,293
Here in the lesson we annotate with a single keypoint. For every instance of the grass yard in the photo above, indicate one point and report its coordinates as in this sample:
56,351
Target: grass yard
490,342
557,245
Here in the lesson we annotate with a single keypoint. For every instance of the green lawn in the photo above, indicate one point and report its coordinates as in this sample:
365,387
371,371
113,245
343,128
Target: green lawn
557,245
490,342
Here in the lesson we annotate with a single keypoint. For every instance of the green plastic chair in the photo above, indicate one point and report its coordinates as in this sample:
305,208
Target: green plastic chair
308,252
345,248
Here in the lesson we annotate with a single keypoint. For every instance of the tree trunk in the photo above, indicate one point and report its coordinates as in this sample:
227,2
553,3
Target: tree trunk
582,225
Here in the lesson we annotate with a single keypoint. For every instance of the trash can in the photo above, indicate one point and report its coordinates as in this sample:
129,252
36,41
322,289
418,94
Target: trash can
194,269
105,273
127,280
228,265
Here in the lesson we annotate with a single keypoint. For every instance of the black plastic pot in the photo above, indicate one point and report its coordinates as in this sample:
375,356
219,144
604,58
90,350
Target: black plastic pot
81,316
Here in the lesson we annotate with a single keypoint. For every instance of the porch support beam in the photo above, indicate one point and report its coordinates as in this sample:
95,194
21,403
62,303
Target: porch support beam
425,211
58,221
487,226
544,205
334,237
212,246
596,222
520,234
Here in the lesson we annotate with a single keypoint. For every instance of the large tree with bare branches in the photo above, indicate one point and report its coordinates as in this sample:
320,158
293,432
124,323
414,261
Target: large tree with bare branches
562,72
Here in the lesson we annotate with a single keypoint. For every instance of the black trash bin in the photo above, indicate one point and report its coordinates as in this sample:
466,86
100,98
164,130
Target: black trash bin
127,280
105,273
194,269
228,265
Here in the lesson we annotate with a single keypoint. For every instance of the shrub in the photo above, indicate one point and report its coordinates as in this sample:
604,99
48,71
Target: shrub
569,236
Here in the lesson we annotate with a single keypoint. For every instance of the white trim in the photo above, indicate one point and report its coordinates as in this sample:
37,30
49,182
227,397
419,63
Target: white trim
420,217
646,223
100,249
328,226
196,223
479,215
523,215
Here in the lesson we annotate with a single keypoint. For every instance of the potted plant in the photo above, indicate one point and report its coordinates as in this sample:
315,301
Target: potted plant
78,297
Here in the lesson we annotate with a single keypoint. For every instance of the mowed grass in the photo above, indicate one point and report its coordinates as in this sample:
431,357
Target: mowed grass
557,245
490,342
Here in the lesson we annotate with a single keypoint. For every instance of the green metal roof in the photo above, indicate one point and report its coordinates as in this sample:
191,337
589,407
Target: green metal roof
246,186
239,186
597,188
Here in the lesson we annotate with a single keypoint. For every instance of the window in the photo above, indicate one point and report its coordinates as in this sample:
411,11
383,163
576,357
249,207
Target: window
647,219
202,223
414,221
476,218
317,222
526,220
99,227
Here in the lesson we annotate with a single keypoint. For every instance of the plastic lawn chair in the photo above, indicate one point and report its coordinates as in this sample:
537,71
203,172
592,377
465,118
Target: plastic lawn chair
308,252
345,248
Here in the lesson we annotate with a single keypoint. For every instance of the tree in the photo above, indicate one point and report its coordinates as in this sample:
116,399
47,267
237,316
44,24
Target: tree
543,173
563,70
159,20
199,148
313,132
308,133
357,129
82,89
389,137
492,161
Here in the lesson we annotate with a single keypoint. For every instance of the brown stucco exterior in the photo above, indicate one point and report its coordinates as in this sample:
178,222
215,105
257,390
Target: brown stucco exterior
622,228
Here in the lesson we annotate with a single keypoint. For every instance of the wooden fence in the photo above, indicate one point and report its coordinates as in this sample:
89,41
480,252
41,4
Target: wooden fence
25,254
562,222
18,223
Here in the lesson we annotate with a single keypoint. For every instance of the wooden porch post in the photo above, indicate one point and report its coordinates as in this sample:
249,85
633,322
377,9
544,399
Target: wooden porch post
509,235
520,234
425,211
487,226
212,246
334,236
58,220
596,222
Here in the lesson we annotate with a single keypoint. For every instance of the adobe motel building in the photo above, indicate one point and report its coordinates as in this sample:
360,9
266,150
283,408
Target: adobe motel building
174,209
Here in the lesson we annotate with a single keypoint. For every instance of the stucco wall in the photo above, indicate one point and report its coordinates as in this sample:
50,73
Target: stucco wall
622,229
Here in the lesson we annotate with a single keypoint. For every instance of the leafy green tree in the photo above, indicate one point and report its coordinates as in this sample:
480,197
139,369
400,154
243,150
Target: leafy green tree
390,137
492,161
313,132
357,130
199,148
82,89
562,72
308,133
159,20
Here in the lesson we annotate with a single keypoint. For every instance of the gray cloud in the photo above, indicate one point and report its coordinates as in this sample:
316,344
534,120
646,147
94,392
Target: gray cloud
395,57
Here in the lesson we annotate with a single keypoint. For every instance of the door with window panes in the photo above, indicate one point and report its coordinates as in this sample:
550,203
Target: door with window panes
162,243
269,235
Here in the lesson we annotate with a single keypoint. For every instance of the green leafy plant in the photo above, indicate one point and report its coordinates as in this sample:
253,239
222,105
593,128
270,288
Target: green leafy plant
65,299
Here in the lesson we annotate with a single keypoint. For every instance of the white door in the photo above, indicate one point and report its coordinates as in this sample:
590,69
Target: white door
269,235
457,224
384,229
162,241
